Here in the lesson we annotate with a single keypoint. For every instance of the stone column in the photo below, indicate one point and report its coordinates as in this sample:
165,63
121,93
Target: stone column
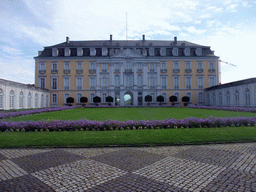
121,98
135,98
122,76
145,75
111,75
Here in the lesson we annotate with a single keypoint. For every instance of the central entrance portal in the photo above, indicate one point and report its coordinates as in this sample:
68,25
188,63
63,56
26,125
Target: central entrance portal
128,99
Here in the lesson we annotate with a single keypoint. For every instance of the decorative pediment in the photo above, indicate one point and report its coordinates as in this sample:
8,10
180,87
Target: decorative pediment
128,53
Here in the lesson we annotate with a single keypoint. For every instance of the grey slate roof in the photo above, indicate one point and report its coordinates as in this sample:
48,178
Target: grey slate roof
232,84
123,43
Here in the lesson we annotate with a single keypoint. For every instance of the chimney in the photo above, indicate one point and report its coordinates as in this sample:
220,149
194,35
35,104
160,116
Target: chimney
67,40
110,37
175,40
143,37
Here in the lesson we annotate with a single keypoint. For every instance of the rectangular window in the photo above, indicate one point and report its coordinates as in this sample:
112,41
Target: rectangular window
211,65
140,81
140,65
190,96
79,83
200,82
79,65
54,83
199,65
42,83
152,66
152,82
92,82
163,65
176,82
54,66
67,65
211,81
164,84
1,101
42,66
92,65
188,65
176,65
54,98
104,66
66,83
91,97
117,66
188,83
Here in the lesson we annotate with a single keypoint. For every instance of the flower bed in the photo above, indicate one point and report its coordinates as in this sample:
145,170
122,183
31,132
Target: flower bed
239,109
87,125
30,112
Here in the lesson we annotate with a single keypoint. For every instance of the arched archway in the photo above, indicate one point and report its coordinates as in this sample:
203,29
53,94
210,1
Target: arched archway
128,99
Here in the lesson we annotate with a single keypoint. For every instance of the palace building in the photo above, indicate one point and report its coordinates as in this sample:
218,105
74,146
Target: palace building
126,68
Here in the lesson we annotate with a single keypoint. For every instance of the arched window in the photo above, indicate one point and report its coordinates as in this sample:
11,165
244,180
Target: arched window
140,79
200,97
220,99
117,81
247,97
1,99
91,97
66,95
29,100
213,99
54,98
42,101
47,101
189,94
11,99
21,100
177,94
153,97
165,97
237,100
78,97
104,95
36,100
228,98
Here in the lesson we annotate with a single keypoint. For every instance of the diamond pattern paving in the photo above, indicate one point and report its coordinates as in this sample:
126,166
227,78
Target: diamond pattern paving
209,155
133,182
181,173
229,167
82,174
128,159
24,183
233,180
40,161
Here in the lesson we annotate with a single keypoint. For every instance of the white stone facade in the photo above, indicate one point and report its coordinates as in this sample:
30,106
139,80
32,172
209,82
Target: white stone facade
14,95
235,94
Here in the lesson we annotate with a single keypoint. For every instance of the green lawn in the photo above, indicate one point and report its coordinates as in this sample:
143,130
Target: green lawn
128,137
123,114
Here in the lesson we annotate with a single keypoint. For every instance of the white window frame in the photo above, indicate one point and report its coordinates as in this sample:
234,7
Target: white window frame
54,66
42,66
164,82
12,99
79,82
189,94
177,94
66,83
1,98
176,82
54,84
92,81
212,81
200,82
36,100
92,65
188,81
117,80
54,98
79,65
21,100
92,95
211,65
188,65
66,95
199,65
66,65
78,97
104,66
200,97
176,65
29,104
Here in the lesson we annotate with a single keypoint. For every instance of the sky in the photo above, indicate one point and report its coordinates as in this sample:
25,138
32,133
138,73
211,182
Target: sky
27,26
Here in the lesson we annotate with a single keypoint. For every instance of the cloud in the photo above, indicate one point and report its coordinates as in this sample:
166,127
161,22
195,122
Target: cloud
11,50
192,29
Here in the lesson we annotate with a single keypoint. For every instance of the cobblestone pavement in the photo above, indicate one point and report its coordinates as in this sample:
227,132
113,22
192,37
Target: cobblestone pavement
220,167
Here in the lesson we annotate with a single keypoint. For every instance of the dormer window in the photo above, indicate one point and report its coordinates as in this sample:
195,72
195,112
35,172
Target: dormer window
92,51
67,52
151,51
199,51
175,51
187,51
79,52
55,52
104,51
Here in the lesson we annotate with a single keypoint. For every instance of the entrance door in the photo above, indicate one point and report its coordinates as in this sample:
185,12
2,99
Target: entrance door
128,99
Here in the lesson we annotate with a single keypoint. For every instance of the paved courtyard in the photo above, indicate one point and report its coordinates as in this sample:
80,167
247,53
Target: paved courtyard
220,167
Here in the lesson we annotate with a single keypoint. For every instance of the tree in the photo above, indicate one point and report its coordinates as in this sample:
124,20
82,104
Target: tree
96,100
173,99
185,99
148,98
160,99
83,100
70,100
109,99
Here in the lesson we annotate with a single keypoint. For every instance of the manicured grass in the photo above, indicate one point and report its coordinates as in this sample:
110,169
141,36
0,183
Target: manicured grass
127,137
123,114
